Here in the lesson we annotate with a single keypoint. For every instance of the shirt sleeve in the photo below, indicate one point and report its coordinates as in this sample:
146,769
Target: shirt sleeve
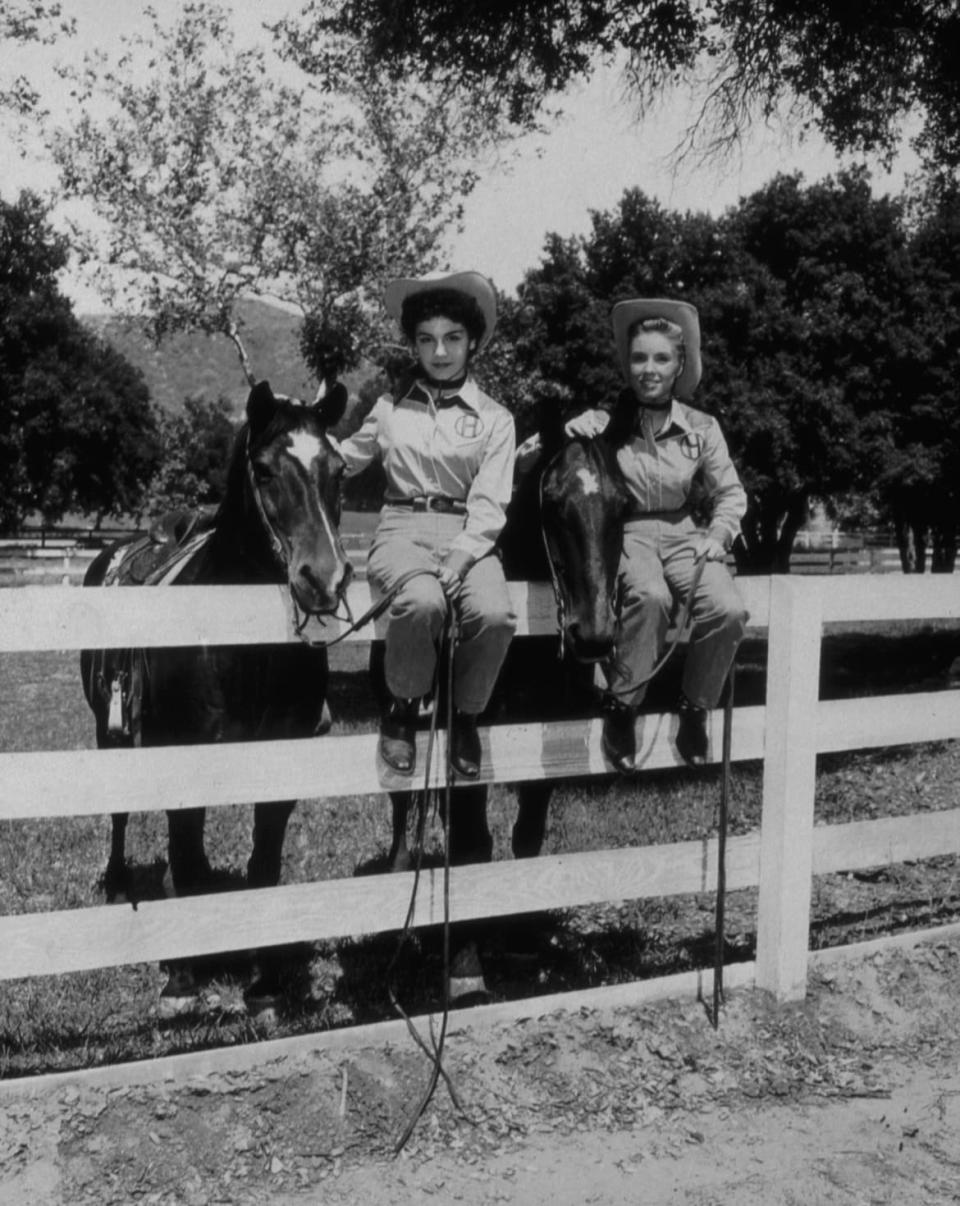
363,446
487,498
725,492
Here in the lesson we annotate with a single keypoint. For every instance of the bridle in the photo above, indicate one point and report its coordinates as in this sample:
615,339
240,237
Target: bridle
559,594
301,616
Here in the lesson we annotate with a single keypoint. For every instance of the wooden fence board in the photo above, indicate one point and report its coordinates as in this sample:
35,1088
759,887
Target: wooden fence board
880,843
63,617
105,936
111,935
88,782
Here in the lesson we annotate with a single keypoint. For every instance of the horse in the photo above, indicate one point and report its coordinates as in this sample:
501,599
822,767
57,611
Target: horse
277,524
564,525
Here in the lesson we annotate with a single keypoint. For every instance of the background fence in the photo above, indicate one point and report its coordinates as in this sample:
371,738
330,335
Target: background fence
780,859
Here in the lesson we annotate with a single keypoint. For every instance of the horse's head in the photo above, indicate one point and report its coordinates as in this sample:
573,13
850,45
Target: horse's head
583,501
293,473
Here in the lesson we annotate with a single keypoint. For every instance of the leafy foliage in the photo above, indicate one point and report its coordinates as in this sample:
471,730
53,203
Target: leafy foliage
196,444
22,23
77,431
854,72
815,330
219,173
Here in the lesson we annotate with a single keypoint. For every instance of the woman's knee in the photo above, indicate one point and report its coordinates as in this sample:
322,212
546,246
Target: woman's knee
644,593
493,617
421,597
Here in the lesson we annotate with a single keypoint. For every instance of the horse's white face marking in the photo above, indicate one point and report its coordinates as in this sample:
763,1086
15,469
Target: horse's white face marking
588,481
304,447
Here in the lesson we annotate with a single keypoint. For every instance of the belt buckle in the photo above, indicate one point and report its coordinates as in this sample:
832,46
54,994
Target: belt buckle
433,502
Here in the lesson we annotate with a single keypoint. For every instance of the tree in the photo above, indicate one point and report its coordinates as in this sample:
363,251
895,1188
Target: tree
23,23
77,432
196,444
803,293
215,178
919,486
853,71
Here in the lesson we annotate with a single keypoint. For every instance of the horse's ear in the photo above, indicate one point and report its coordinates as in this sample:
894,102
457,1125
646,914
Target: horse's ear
261,406
331,406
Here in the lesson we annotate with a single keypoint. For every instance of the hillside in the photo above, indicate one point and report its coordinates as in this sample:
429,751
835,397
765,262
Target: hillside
198,364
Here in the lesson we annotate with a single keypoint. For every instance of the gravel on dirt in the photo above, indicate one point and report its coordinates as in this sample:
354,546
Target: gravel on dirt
851,1096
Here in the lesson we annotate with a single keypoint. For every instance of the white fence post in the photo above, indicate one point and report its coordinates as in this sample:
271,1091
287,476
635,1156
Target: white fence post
789,777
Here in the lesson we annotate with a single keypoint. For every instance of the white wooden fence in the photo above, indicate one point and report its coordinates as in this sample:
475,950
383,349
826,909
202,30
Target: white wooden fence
788,733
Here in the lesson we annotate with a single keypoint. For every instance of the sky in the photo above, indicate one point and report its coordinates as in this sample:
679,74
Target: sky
585,162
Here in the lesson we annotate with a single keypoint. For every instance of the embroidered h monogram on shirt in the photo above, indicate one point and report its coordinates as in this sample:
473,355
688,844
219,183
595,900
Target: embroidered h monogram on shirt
468,426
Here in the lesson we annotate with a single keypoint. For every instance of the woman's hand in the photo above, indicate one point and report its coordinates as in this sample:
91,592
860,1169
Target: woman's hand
450,582
588,423
710,549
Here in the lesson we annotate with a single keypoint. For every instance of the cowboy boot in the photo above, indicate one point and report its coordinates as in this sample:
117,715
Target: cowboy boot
693,745
398,729
465,745
619,741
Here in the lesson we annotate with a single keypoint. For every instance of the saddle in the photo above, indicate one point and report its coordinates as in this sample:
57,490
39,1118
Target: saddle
157,557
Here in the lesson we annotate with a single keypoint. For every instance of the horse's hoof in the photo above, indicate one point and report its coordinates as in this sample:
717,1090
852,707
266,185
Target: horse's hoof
401,862
465,984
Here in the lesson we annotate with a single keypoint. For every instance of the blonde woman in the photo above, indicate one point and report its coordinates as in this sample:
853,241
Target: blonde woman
658,346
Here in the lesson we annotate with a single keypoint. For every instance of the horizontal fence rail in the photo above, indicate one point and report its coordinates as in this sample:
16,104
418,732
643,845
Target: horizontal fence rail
787,733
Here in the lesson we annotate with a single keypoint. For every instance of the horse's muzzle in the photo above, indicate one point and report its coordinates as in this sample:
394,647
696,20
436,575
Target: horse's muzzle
588,648
321,594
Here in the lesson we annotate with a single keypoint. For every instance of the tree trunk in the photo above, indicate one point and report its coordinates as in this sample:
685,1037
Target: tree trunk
769,532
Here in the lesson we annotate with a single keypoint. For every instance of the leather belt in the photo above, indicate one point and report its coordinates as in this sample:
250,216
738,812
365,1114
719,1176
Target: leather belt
430,502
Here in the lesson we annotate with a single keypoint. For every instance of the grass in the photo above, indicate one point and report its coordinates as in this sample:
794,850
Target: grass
111,1015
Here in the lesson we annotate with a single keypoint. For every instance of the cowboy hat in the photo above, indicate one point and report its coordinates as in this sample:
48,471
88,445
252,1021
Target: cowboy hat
626,313
473,284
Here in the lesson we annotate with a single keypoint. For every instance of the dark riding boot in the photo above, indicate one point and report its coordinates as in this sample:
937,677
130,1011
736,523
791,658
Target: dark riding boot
398,729
619,741
465,745
693,745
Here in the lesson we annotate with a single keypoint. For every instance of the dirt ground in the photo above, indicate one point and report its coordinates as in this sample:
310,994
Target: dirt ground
851,1097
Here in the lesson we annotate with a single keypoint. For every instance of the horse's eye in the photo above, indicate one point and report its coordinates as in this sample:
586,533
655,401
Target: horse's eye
262,474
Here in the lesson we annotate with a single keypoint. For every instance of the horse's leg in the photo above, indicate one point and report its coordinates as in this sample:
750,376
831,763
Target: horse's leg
189,874
269,830
400,858
189,869
470,842
116,879
263,871
529,829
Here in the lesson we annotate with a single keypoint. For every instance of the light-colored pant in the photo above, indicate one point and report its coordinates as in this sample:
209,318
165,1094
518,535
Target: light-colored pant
656,572
407,540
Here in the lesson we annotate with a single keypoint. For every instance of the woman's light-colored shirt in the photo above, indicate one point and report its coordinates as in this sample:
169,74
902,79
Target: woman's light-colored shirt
461,449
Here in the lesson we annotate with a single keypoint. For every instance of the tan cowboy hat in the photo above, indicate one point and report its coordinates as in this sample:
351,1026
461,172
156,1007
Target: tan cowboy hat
626,313
473,284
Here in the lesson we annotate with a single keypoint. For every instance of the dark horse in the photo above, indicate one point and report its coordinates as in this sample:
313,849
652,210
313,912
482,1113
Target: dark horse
565,526
277,523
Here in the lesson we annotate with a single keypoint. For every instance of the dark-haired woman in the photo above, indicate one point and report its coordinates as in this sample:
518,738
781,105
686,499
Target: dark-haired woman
672,445
447,452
